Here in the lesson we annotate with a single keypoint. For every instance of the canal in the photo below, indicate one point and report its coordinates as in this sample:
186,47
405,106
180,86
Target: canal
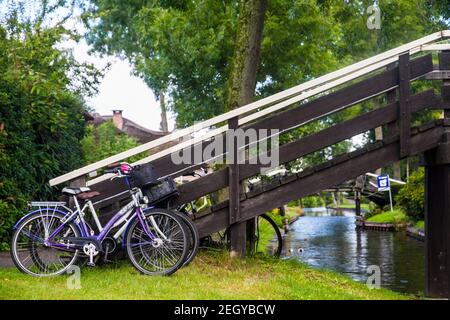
328,239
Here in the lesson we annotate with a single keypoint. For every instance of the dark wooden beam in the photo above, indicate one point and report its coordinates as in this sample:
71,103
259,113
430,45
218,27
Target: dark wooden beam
437,204
237,227
404,100
233,171
437,226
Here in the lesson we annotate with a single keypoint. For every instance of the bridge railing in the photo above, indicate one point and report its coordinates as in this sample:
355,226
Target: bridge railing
262,108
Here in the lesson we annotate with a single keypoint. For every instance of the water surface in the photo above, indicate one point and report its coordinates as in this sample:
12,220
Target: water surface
329,239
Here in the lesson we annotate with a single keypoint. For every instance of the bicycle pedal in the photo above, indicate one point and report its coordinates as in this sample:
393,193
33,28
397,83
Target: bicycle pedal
90,264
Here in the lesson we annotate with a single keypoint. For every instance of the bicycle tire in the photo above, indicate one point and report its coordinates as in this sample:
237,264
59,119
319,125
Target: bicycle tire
134,233
194,238
279,237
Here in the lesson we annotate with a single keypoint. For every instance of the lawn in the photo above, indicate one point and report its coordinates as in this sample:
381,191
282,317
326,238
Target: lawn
396,217
212,275
420,224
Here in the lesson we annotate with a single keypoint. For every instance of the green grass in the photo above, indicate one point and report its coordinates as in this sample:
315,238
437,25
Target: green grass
396,217
420,224
210,276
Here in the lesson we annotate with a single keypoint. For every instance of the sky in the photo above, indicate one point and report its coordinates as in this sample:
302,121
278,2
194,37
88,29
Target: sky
121,90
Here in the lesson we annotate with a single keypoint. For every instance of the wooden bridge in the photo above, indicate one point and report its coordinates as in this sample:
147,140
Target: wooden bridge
395,77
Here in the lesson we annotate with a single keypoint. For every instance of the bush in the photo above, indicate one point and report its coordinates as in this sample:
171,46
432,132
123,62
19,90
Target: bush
104,141
41,116
313,202
411,198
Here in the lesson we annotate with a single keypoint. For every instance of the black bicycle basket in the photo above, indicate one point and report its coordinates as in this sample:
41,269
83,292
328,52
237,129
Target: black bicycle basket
143,176
165,189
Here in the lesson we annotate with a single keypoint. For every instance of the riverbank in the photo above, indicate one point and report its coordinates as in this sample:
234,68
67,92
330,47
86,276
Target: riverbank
393,221
364,207
385,221
212,275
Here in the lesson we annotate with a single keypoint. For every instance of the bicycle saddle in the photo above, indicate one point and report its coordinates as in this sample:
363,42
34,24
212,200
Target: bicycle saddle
81,192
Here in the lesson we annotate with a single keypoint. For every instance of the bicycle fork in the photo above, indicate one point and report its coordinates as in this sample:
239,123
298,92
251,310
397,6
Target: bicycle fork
159,234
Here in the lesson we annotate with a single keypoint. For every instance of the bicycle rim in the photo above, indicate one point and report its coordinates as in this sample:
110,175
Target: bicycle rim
161,257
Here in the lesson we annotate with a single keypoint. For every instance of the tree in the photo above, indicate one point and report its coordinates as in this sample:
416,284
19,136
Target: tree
41,112
245,62
187,48
104,141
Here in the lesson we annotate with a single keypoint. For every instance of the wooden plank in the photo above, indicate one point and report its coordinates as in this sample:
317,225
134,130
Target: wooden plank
444,64
323,179
309,144
357,69
404,101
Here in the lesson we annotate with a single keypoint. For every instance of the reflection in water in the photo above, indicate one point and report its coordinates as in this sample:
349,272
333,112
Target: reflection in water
330,240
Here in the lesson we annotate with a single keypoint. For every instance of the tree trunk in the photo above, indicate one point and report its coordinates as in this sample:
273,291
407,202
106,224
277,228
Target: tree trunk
244,69
163,125
241,90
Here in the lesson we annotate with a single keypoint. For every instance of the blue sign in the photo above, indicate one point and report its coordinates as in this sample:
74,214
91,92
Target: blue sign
383,183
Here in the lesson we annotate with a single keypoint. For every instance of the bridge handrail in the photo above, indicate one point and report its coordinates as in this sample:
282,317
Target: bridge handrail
274,103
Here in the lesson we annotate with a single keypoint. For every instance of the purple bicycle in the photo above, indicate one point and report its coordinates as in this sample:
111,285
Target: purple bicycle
47,241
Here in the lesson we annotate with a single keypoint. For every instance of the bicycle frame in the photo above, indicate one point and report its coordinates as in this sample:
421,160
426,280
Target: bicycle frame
121,216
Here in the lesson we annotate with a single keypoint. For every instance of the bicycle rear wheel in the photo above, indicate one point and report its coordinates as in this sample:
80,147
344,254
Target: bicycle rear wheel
167,252
32,255
268,236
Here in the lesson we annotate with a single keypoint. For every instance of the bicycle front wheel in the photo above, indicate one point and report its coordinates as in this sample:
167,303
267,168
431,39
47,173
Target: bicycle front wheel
164,254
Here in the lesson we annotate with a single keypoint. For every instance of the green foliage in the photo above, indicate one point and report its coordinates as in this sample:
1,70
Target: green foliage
104,141
41,114
411,197
313,202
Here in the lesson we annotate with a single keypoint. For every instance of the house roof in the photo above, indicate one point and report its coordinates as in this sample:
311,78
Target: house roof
131,128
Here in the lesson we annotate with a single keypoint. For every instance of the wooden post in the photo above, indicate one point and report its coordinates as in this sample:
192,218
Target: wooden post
237,229
437,206
437,224
404,97
392,128
358,203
